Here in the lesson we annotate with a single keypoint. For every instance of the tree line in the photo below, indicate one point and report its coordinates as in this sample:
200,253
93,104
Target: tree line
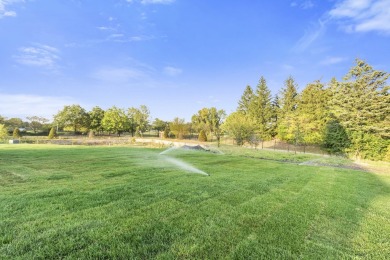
350,117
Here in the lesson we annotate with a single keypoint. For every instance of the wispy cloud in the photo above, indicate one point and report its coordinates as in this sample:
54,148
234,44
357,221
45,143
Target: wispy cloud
310,35
39,55
21,105
332,60
4,12
119,75
305,4
145,2
363,15
172,71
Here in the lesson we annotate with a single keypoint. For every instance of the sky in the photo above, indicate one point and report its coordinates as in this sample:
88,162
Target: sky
177,56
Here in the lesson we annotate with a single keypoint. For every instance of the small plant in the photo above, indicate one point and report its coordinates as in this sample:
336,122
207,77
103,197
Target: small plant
53,133
202,136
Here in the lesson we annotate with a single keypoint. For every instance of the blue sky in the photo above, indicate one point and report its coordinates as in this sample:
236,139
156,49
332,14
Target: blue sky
177,56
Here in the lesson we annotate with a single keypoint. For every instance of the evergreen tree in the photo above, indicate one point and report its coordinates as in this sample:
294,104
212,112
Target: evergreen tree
287,120
275,109
313,112
289,96
246,99
362,105
261,110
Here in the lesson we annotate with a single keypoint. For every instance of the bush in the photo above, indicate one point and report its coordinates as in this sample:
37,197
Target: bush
202,136
166,132
16,133
3,132
53,133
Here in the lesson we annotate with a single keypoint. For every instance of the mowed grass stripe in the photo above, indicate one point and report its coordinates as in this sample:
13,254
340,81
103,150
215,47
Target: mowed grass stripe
121,202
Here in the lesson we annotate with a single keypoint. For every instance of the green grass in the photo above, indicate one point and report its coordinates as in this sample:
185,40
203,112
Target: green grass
128,203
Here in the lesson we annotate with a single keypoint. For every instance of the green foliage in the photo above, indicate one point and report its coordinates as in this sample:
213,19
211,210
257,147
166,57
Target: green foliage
202,136
240,127
53,133
287,119
96,116
361,103
138,119
73,116
166,131
261,110
178,127
336,139
245,102
209,120
3,132
313,113
16,133
37,123
13,123
159,125
115,120
387,154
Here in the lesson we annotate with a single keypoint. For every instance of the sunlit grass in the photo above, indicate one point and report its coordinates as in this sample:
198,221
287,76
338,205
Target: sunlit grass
129,203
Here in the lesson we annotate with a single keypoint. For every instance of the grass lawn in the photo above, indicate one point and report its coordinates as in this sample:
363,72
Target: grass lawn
131,203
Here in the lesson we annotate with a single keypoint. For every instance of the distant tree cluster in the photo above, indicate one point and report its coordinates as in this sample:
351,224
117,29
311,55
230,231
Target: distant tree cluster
347,117
16,127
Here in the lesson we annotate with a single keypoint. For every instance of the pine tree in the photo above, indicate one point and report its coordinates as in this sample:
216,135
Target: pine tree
313,112
246,99
287,117
261,110
362,105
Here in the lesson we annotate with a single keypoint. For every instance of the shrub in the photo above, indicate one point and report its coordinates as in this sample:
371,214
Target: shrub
3,132
16,133
166,132
202,136
53,133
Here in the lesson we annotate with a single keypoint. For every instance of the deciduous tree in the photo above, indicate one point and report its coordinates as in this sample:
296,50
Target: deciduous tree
115,120
239,126
96,116
73,116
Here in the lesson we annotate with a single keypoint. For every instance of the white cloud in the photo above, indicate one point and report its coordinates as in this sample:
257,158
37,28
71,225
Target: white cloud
363,15
171,71
332,60
38,55
22,105
121,75
4,12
